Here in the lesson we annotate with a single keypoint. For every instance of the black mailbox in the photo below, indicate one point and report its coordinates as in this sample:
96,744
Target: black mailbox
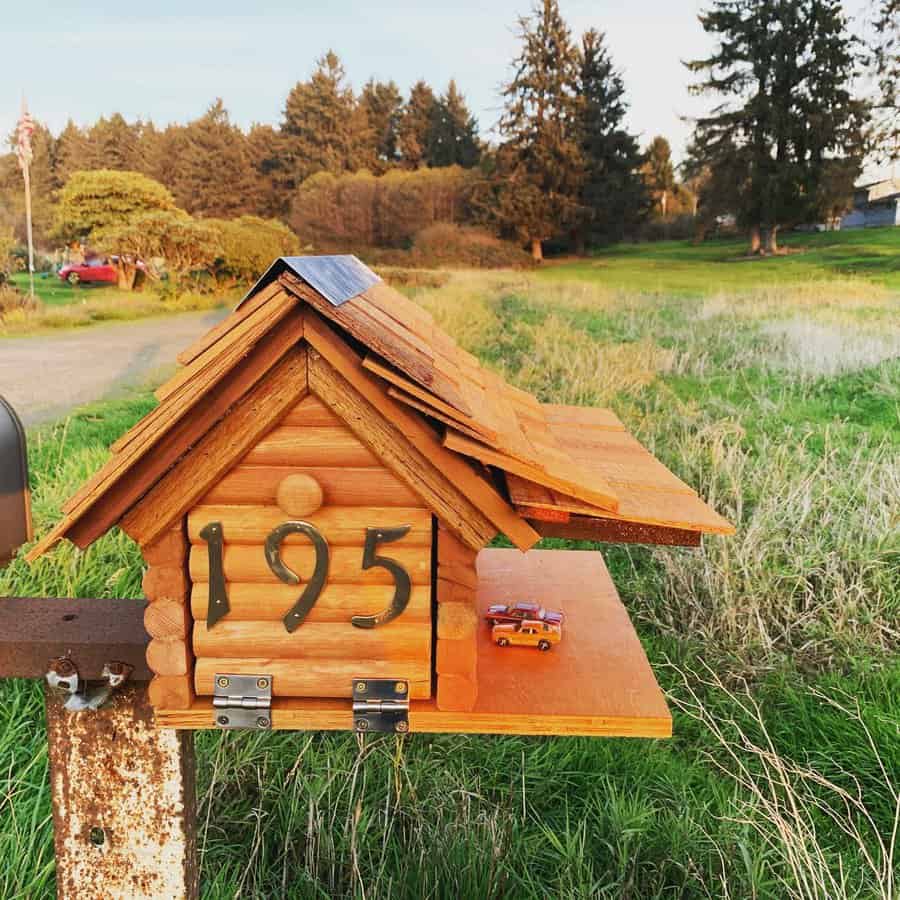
15,501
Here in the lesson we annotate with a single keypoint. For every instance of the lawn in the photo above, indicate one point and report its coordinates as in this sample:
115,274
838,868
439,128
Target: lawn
721,265
776,399
53,292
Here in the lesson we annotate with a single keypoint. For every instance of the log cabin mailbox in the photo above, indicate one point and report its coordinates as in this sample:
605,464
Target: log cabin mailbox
313,495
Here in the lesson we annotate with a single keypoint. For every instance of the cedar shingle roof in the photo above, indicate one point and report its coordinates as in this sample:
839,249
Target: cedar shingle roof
550,461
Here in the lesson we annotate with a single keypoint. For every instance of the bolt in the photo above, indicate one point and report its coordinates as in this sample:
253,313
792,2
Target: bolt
362,725
400,687
63,667
223,682
262,683
361,687
401,726
223,720
97,837
262,722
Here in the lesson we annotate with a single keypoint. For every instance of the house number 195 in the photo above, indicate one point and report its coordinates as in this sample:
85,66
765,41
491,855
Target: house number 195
219,606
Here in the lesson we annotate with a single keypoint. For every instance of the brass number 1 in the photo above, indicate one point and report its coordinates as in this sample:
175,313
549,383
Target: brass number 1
300,610
374,537
218,594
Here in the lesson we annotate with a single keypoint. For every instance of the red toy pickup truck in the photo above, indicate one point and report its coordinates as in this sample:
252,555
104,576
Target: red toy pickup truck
518,612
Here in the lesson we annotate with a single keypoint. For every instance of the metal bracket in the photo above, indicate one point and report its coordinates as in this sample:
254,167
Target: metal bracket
63,676
243,701
380,704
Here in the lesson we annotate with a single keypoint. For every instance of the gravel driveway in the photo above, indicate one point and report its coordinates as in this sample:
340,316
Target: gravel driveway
45,376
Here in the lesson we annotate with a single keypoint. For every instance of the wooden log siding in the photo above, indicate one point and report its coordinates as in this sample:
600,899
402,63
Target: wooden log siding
320,658
456,657
168,620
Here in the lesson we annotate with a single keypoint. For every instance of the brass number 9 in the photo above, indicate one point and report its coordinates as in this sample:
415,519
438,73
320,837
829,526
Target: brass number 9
299,611
374,537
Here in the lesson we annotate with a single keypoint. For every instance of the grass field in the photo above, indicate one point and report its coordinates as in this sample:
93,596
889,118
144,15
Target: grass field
679,267
779,402
63,306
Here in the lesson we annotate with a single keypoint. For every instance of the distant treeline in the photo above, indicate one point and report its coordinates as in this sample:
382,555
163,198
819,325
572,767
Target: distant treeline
784,143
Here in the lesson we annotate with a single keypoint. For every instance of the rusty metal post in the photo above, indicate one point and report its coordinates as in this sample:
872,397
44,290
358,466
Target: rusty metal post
124,804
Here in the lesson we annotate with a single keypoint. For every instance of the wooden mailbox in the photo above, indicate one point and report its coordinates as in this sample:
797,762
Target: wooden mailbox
313,495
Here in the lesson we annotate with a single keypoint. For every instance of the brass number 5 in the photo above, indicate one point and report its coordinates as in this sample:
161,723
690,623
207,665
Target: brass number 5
299,611
374,537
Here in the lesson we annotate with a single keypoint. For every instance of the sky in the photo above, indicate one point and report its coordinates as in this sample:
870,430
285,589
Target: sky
169,60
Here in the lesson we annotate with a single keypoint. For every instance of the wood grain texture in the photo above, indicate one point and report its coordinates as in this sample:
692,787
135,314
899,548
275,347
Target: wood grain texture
311,412
341,525
166,582
596,682
317,678
397,641
171,691
299,496
457,658
347,366
169,657
394,450
337,602
456,621
305,446
167,619
245,562
341,486
219,449
584,528
456,693
168,432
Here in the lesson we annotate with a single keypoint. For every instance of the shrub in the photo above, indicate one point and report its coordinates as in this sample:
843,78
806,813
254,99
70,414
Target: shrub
445,243
248,245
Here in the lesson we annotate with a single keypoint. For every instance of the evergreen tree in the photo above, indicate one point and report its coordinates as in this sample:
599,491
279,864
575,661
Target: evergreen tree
266,147
415,125
73,152
786,120
539,162
885,133
453,134
659,173
383,106
215,176
114,144
324,127
613,192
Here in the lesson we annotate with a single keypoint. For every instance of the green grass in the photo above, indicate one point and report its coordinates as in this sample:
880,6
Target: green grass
680,267
777,647
53,292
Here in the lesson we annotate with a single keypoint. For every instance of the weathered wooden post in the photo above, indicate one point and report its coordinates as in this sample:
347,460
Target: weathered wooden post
313,497
124,813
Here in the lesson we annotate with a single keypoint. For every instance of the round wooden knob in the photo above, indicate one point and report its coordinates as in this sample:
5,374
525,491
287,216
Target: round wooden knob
299,495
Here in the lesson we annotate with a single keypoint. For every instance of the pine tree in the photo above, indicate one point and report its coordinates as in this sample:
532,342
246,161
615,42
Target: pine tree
453,134
73,153
613,192
787,119
885,59
114,144
659,173
415,125
324,127
215,176
539,162
383,106
266,147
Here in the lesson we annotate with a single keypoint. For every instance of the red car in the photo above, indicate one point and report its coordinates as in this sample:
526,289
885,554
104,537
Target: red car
517,612
96,269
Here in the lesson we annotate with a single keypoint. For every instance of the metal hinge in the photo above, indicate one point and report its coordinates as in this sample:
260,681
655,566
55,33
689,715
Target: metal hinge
243,701
380,704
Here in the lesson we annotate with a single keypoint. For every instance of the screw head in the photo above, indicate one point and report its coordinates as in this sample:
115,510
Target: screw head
362,686
402,727
400,687
223,720
64,667
223,682
262,683
262,722
362,725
